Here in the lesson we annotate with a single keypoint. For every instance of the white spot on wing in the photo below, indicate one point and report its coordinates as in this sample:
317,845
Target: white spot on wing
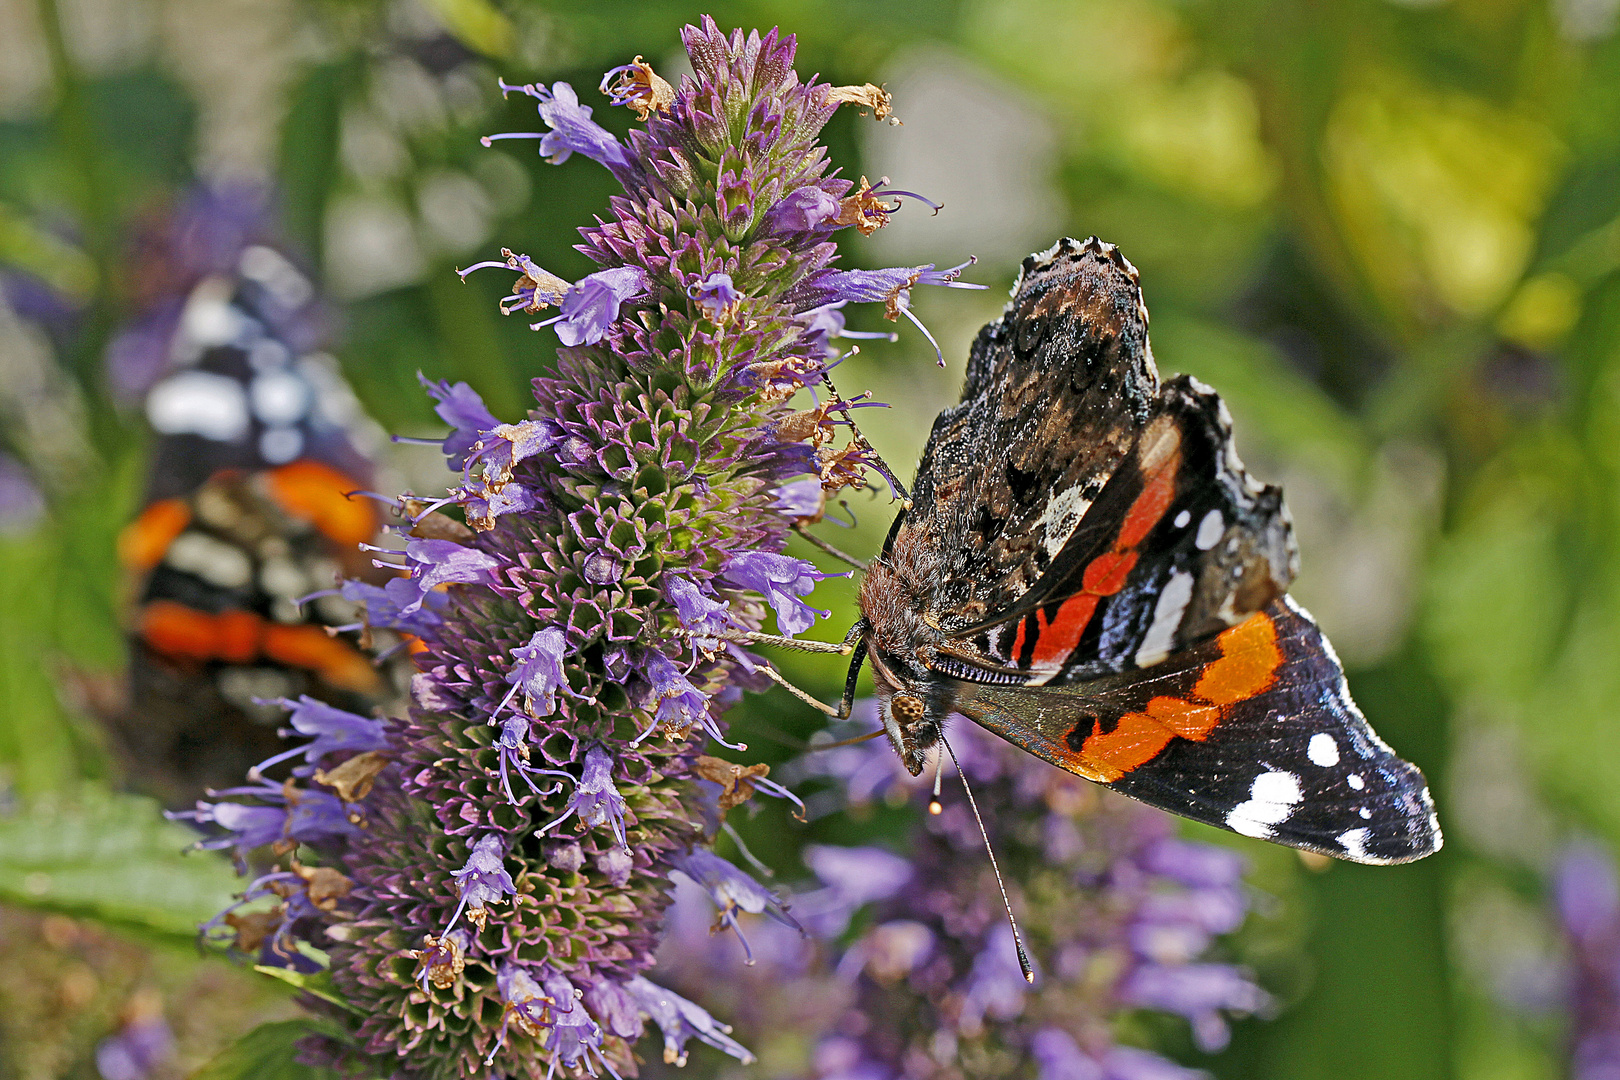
1061,516
1272,797
1356,781
1322,750
1354,842
1166,618
1182,519
215,561
199,403
1365,813
1210,530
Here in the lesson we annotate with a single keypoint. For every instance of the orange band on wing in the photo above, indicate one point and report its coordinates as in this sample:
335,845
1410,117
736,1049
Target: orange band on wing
319,495
144,541
1248,665
1106,574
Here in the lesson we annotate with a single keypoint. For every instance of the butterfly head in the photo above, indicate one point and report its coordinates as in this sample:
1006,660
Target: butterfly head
913,703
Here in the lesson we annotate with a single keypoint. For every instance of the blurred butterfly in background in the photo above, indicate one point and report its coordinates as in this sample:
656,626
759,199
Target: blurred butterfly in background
258,443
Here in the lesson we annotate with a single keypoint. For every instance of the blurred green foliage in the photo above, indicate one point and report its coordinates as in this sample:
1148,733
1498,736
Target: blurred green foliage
1389,233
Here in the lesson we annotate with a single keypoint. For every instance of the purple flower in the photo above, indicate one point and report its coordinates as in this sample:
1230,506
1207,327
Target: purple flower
1194,865
142,1046
1197,991
465,412
802,210
732,892
802,500
852,878
537,670
698,609
680,1020
572,129
535,290
526,1004
1059,1057
996,987
483,880
500,449
1586,895
482,503
441,562
333,729
716,295
680,704
309,817
573,1035
782,579
891,287
384,605
592,306
595,799
1131,1063
513,747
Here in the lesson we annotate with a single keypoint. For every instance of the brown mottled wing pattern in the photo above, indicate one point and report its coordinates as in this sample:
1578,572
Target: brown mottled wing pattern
1088,520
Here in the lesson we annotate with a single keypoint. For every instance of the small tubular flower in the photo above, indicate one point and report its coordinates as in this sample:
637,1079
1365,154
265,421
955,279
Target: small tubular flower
537,671
465,412
591,306
332,729
595,800
572,129
733,892
781,579
637,85
680,1021
716,295
482,880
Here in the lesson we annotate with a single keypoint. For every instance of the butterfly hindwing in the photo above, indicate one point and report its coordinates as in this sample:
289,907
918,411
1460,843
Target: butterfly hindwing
1253,731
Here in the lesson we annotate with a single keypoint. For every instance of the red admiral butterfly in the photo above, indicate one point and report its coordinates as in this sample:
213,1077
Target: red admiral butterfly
1086,569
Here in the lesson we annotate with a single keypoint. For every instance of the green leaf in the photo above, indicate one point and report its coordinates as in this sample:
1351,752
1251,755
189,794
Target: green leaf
267,1053
315,983
111,857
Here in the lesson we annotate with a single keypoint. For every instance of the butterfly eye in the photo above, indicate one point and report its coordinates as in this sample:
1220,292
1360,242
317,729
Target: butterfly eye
907,709
1029,333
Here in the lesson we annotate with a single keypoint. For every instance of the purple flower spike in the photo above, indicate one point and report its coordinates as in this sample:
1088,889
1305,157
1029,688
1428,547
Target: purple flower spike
595,800
465,412
572,129
716,295
483,880
21,504
802,210
537,670
996,987
782,579
592,306
680,1020
332,729
733,891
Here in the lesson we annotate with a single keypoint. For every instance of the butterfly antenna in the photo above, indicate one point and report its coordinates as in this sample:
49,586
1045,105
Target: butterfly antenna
1018,940
816,541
